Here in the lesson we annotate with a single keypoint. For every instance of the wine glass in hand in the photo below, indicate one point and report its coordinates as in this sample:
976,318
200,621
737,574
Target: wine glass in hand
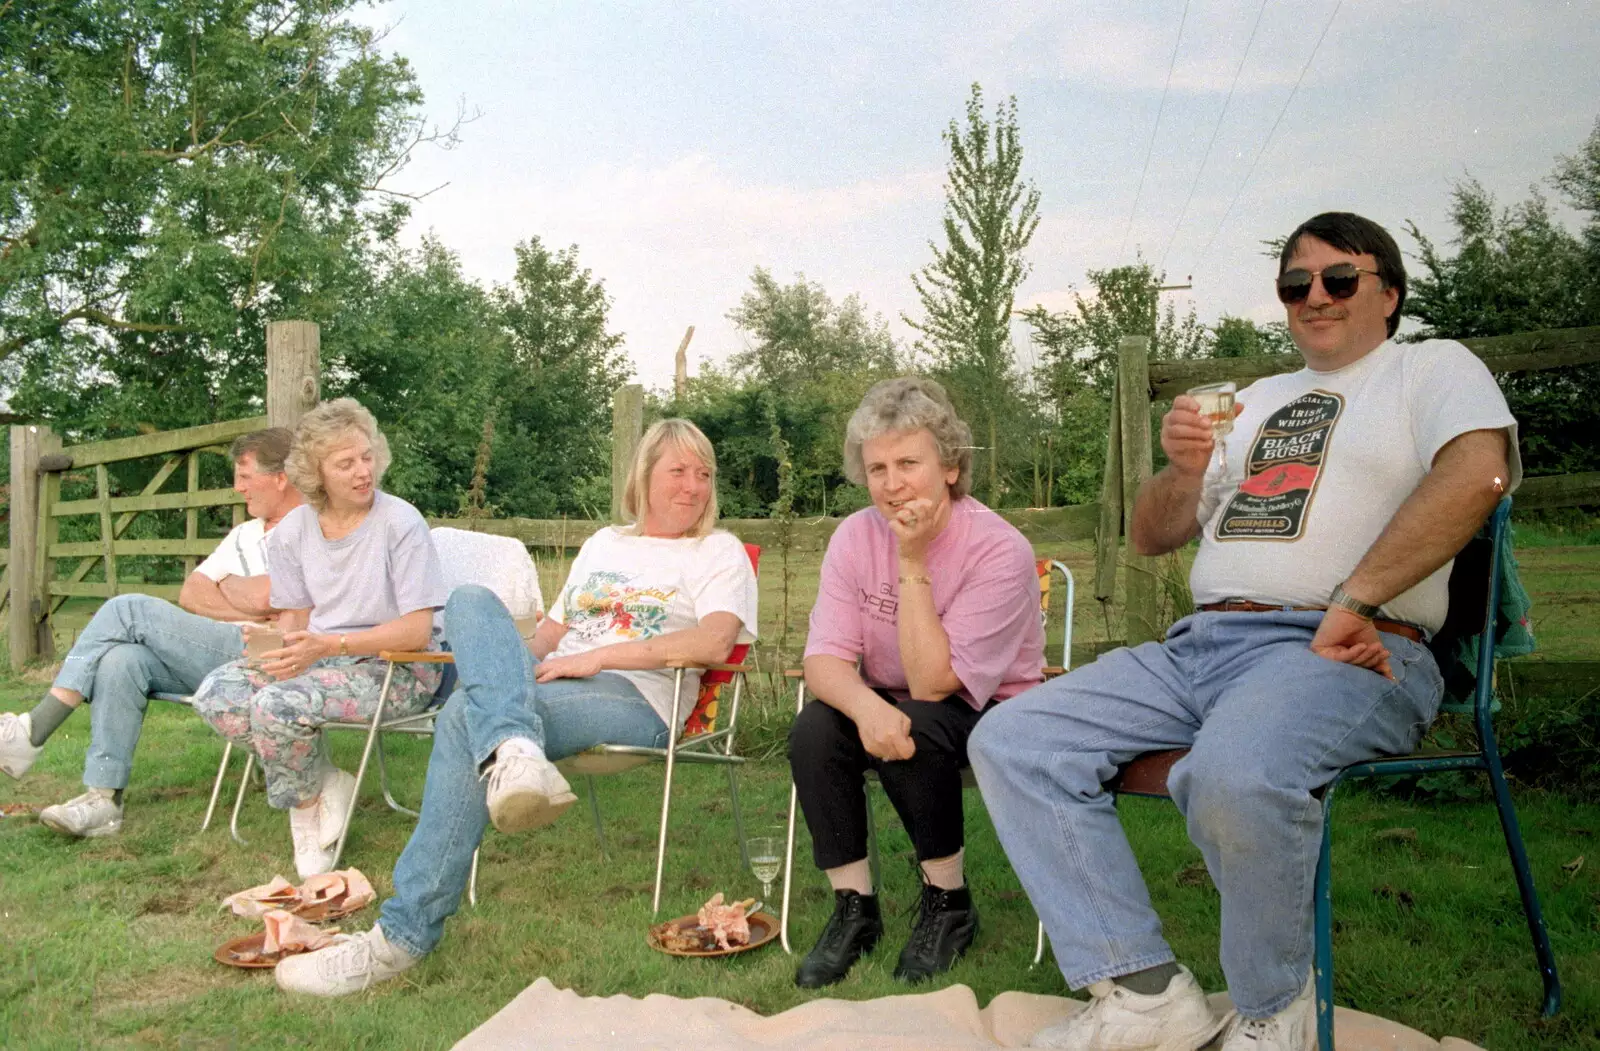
1216,405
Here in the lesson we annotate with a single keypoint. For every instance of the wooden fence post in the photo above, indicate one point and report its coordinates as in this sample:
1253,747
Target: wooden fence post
28,640
294,371
1133,384
627,426
24,513
1109,529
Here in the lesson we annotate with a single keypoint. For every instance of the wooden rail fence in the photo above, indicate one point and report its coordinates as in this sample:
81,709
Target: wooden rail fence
30,579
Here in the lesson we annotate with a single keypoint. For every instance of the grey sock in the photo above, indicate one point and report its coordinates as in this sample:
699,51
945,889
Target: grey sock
46,718
1152,981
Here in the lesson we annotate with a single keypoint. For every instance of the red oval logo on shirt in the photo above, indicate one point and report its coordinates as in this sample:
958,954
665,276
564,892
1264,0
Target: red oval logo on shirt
1283,478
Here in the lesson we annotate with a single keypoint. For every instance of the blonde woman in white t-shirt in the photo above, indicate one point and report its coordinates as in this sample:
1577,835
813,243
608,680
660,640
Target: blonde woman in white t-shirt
668,588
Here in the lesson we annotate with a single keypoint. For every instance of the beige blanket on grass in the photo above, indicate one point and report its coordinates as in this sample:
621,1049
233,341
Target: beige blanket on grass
543,1016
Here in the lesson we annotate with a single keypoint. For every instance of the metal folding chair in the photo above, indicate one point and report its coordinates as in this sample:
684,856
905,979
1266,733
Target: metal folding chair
1474,601
1045,568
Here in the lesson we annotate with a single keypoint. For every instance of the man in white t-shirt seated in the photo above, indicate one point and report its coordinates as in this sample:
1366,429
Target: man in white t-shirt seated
1326,538
136,645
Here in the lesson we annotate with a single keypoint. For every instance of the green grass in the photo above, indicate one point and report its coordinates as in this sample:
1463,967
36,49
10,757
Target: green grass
108,943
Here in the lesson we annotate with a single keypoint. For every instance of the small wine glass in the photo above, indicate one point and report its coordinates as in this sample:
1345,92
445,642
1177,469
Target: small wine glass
766,860
1216,405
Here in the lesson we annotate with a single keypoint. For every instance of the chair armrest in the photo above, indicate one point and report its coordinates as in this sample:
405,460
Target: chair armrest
689,665
1050,671
411,657
794,673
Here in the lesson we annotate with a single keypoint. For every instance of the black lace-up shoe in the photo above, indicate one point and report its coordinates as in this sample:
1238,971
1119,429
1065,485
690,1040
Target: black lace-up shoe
852,930
947,921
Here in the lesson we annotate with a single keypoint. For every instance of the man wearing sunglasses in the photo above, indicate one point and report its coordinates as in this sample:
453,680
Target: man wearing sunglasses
1325,541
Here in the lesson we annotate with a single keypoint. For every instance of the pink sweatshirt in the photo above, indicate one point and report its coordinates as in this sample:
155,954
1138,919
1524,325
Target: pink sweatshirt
985,589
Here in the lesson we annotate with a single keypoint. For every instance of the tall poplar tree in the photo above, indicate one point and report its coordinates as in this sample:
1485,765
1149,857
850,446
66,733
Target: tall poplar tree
969,290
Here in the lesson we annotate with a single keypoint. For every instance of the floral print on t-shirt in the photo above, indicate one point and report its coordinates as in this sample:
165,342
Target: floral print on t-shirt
606,604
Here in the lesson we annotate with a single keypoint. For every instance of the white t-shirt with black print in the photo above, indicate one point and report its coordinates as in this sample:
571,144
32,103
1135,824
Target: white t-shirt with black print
1318,463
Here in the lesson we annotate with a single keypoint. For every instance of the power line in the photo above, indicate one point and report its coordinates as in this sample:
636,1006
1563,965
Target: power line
1260,153
1184,212
1137,193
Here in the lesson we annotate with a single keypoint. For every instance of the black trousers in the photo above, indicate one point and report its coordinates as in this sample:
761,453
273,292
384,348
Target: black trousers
828,763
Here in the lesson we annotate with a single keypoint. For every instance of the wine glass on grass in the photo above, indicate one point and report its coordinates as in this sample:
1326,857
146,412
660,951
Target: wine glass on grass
766,860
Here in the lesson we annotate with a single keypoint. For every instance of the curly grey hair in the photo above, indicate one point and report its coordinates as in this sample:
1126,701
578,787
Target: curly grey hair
318,432
910,403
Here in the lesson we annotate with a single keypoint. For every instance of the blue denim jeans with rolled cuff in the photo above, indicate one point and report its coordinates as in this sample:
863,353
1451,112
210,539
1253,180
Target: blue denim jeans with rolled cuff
496,698
133,646
1268,723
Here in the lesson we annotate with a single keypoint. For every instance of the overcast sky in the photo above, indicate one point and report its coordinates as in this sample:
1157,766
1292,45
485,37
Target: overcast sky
679,145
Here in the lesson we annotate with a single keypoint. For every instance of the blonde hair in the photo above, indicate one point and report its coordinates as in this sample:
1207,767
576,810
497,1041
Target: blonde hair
684,436
318,432
910,403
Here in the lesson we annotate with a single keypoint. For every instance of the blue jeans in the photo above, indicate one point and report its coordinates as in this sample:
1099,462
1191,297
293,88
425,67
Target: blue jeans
496,698
133,646
1267,721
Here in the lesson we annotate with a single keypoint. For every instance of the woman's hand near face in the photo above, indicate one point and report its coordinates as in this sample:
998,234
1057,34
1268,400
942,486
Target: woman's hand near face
915,523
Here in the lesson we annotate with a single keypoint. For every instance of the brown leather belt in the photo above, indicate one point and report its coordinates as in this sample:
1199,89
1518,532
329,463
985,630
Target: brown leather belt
1239,605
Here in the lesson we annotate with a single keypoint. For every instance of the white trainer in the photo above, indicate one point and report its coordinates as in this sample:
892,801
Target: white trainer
525,789
1119,1019
89,816
337,789
311,858
351,964
17,752
1292,1029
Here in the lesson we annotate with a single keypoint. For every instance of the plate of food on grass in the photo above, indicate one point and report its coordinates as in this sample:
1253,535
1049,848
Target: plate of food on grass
718,929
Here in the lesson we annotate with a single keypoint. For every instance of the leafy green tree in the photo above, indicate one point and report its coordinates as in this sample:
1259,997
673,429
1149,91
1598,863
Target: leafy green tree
1078,361
1519,269
553,432
423,348
969,290
1079,344
777,413
797,332
1239,337
172,174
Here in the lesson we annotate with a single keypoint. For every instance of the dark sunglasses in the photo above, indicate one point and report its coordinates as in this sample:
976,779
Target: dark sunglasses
1339,280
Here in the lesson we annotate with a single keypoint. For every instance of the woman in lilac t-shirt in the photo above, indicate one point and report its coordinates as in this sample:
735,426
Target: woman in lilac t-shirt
927,612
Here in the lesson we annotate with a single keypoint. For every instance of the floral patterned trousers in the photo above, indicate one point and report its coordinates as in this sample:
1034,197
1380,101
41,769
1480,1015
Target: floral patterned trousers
281,721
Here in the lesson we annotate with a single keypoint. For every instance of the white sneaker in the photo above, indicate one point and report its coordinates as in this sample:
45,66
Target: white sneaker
1292,1029
1119,1019
337,789
525,789
89,816
311,858
17,752
350,965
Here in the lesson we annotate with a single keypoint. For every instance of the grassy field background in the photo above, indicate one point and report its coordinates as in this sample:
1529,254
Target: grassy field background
108,943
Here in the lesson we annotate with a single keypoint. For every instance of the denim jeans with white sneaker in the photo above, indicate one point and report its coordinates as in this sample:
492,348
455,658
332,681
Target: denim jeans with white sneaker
133,646
496,699
1267,721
